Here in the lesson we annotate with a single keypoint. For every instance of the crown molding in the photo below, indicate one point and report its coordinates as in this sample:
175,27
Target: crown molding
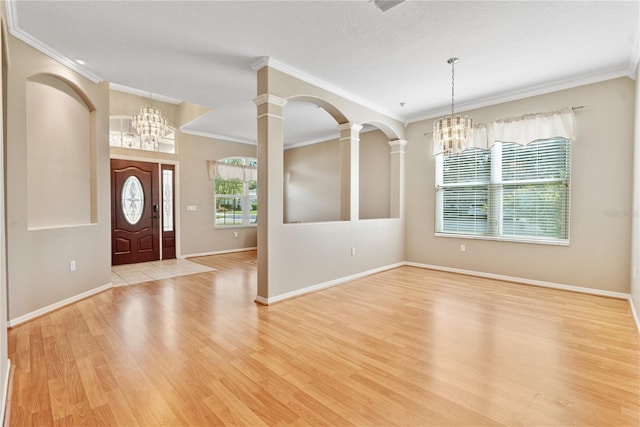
144,94
526,92
260,63
267,61
634,61
220,137
15,30
325,138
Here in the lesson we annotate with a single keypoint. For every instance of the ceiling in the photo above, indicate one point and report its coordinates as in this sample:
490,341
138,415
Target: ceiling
393,62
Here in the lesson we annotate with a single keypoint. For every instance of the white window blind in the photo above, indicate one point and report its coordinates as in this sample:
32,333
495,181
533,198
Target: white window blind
535,189
510,192
462,192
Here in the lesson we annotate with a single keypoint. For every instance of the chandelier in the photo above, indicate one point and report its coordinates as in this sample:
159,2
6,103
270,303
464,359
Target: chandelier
452,134
150,125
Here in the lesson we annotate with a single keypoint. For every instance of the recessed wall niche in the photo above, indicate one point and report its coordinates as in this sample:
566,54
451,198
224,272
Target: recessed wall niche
60,154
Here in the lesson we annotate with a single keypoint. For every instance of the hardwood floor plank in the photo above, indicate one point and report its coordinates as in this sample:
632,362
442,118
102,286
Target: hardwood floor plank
403,347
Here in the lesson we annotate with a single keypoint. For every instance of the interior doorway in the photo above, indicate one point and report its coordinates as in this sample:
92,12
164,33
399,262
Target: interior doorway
142,212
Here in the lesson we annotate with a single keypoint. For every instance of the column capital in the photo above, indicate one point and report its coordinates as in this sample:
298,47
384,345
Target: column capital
400,142
354,127
267,98
398,146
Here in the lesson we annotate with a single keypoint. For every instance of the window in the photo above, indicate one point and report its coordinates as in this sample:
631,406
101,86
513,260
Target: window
122,134
236,202
510,192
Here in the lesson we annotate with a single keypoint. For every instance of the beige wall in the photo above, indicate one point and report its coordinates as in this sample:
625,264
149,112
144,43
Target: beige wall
375,175
635,237
38,260
312,180
599,253
198,234
312,183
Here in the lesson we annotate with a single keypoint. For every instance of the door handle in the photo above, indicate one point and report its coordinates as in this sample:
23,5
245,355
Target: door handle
155,211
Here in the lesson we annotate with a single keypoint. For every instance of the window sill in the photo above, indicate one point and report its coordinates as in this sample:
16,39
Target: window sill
505,239
234,227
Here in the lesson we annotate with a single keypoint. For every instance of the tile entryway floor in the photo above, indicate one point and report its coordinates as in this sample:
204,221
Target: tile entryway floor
130,274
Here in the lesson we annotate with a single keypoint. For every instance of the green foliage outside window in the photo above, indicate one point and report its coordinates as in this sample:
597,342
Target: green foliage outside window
231,197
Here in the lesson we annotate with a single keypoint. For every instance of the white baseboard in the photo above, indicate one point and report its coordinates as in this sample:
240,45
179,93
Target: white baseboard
5,390
44,310
226,251
324,285
540,283
634,313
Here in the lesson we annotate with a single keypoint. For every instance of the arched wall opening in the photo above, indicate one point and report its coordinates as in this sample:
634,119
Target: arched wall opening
311,172
61,154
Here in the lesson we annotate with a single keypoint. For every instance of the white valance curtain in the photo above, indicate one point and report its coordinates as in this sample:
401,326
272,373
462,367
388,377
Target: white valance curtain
228,171
523,130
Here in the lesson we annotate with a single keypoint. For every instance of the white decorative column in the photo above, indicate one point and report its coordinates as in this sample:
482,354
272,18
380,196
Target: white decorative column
270,172
349,171
397,188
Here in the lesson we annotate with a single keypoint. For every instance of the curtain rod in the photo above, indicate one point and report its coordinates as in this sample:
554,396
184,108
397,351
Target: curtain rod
577,107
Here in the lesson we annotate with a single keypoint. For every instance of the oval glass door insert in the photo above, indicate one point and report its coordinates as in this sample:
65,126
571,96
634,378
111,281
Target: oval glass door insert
132,200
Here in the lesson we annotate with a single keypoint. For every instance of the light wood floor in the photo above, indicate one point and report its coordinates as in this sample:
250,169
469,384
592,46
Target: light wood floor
407,347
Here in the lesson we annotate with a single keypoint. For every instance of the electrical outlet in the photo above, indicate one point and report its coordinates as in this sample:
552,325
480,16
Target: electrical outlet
463,248
235,234
72,265
353,251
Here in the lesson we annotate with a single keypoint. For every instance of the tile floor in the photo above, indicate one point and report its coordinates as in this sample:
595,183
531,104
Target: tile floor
130,274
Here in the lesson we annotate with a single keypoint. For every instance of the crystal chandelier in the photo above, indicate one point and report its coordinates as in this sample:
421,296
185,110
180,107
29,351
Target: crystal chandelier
150,125
452,134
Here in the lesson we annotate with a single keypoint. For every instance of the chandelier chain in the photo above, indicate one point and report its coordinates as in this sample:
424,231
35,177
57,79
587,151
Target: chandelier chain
453,83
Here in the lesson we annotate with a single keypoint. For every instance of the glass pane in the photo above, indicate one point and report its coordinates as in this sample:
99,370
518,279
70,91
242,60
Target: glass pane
253,215
536,210
168,143
132,200
230,186
115,139
229,211
545,159
167,200
252,187
470,166
464,210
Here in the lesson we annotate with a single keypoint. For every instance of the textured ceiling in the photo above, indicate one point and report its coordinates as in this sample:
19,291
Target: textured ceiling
202,51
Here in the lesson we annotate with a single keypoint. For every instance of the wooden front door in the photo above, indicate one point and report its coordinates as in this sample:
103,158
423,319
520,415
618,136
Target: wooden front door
135,211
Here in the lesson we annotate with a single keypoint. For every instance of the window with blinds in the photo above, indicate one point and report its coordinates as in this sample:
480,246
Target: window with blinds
511,192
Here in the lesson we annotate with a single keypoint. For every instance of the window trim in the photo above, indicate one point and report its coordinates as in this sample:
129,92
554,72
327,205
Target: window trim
496,183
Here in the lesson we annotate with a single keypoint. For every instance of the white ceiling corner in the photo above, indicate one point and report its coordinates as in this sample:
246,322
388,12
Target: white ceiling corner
14,29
